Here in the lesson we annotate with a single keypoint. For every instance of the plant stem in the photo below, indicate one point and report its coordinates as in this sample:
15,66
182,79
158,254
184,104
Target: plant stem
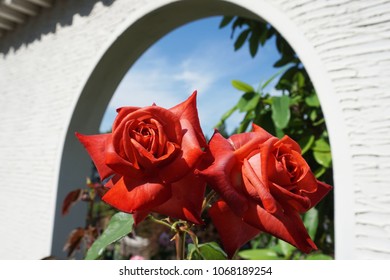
207,200
159,221
180,241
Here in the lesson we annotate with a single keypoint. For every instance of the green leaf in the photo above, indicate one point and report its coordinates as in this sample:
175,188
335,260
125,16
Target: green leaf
259,254
313,115
323,158
242,86
225,21
281,111
321,145
244,100
254,43
119,226
306,142
321,152
245,122
266,83
287,248
283,61
252,103
206,251
295,100
318,256
312,100
241,39
310,220
300,79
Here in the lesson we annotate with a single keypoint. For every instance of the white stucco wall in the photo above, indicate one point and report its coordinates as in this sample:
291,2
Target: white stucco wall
58,71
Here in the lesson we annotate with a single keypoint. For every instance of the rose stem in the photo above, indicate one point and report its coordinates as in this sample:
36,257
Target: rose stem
180,240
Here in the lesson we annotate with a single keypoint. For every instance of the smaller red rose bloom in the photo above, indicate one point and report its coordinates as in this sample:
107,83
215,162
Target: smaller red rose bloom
264,185
149,161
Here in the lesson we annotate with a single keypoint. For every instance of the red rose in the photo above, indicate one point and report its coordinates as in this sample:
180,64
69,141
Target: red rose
149,160
264,184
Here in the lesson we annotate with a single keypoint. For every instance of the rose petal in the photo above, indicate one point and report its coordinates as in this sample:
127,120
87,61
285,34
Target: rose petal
119,164
286,225
221,174
246,143
96,148
169,121
186,161
322,190
188,112
131,194
123,112
139,216
259,130
299,202
234,232
250,139
287,141
307,182
253,180
186,200
148,161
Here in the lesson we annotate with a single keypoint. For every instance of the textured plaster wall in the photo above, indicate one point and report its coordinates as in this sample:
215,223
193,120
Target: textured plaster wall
58,71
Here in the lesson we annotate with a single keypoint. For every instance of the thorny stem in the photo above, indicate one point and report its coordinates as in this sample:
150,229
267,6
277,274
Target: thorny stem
180,240
181,228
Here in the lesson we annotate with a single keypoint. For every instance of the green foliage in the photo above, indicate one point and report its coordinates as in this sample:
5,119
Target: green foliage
259,254
294,111
121,224
206,251
281,111
310,220
242,86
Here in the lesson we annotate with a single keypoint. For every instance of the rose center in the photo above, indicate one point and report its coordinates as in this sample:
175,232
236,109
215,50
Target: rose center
146,134
289,165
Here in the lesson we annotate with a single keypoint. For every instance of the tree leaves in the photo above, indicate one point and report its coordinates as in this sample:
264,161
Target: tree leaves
206,251
312,100
297,113
241,39
310,220
321,152
259,254
281,111
225,21
120,225
241,86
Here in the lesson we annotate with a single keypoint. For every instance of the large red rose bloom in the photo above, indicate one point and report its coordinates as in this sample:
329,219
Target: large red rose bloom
149,159
264,185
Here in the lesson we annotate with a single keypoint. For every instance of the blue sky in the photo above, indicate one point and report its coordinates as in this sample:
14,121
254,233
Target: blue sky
197,56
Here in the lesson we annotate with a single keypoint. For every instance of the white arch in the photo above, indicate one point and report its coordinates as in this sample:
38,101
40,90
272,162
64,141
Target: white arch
143,28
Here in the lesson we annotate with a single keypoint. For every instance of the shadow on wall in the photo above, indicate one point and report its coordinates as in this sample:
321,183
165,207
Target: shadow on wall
47,21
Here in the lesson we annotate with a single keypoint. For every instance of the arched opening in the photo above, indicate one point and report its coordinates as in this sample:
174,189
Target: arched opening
141,32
